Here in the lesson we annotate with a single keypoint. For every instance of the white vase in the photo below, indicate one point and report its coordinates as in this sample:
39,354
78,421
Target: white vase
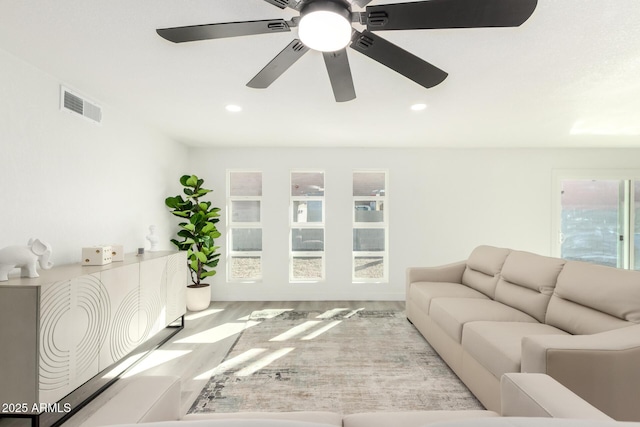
198,298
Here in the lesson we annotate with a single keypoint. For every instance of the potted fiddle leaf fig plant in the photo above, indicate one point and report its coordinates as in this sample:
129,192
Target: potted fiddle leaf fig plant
197,232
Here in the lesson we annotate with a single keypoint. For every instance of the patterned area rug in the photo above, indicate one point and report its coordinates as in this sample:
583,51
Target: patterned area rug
342,360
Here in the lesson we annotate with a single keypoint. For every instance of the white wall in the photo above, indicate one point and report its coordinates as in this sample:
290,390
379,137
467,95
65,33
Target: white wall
441,204
76,184
71,182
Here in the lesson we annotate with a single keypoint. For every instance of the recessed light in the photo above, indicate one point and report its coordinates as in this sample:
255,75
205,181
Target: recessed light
418,107
232,108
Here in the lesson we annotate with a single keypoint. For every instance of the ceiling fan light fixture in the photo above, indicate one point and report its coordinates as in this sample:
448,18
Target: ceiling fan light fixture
325,26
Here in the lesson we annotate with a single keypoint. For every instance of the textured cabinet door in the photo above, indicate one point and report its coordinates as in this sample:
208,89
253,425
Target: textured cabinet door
177,280
74,319
153,297
124,295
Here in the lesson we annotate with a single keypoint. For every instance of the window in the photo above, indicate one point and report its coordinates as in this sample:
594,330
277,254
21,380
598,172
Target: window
370,227
244,204
306,255
599,219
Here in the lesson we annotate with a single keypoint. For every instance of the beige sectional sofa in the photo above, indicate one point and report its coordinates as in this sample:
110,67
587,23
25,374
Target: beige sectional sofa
503,311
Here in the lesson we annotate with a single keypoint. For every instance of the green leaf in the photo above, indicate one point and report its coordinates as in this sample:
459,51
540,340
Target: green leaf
185,234
194,265
208,274
182,214
202,257
189,227
192,181
173,202
208,228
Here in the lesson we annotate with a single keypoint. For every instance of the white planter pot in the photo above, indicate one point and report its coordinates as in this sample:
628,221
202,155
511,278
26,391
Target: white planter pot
198,298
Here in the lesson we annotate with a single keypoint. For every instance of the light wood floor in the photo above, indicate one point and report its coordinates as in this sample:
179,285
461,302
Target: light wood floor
204,342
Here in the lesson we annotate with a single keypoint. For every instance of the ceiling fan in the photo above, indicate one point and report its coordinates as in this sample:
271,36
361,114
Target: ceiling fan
326,26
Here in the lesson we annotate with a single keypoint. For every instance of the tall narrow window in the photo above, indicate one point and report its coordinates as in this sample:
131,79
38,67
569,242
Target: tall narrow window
244,204
307,227
370,227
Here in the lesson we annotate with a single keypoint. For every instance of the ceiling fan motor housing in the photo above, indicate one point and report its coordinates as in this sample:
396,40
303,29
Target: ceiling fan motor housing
341,7
325,25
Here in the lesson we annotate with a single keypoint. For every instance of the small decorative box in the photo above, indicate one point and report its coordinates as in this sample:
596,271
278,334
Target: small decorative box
117,253
97,255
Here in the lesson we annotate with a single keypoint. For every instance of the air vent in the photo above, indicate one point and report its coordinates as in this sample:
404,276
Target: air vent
280,3
298,46
74,103
277,26
364,42
378,19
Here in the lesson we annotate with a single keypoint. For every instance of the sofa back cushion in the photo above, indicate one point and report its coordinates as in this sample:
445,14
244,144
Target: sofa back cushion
483,269
591,298
527,281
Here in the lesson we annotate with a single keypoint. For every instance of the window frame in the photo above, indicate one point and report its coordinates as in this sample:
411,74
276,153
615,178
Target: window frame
317,225
233,225
359,225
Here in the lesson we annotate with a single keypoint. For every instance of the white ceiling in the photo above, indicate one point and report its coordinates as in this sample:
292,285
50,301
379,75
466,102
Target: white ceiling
569,76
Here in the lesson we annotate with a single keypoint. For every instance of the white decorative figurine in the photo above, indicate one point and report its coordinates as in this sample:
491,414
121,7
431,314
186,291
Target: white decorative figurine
153,238
25,258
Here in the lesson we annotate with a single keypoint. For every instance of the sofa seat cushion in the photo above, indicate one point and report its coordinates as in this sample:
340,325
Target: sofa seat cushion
498,345
422,293
451,314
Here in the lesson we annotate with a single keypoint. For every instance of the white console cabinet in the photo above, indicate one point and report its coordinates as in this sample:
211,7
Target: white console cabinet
62,329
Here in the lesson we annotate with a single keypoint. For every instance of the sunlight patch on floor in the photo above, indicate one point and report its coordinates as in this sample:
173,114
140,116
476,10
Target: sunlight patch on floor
125,364
330,313
204,313
264,362
267,313
231,363
353,312
296,330
218,333
322,330
156,358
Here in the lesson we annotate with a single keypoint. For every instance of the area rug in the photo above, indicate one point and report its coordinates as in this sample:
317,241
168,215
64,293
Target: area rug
342,360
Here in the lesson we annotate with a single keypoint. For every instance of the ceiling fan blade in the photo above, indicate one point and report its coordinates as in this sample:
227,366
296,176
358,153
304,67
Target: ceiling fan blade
278,65
279,3
398,59
340,75
222,30
434,14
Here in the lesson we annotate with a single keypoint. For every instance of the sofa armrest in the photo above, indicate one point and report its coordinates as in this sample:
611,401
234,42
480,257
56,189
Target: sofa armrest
444,273
603,368
538,350
539,395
